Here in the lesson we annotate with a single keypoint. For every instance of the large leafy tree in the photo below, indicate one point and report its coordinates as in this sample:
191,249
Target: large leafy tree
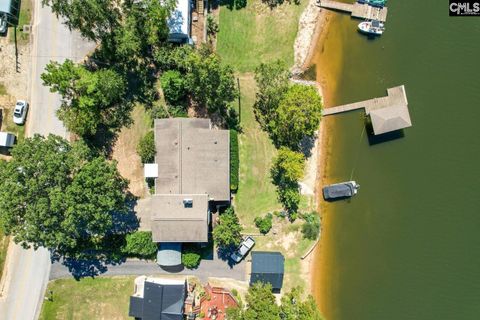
272,82
59,196
298,116
210,82
293,308
228,231
95,19
288,167
89,98
261,304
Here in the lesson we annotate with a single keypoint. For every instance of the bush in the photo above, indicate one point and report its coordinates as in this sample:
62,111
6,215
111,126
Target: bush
173,86
289,196
158,112
311,226
146,148
191,256
140,244
264,224
234,161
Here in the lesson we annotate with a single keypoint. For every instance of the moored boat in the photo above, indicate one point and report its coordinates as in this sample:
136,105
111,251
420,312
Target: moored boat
374,3
373,27
340,190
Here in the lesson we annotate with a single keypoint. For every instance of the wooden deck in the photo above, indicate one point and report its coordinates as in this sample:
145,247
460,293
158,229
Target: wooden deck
357,10
395,96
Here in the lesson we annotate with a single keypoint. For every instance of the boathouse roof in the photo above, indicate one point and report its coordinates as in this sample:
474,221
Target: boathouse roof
390,119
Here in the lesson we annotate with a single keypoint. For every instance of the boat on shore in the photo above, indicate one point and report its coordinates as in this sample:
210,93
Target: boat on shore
373,27
374,3
340,190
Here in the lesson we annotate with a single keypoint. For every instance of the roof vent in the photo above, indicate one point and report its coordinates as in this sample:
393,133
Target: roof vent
188,203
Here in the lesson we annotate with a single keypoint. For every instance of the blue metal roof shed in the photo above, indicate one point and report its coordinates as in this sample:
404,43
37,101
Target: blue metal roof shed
268,267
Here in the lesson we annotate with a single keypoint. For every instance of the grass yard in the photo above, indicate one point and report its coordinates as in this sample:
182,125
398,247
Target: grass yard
256,194
3,89
125,151
256,33
24,18
99,298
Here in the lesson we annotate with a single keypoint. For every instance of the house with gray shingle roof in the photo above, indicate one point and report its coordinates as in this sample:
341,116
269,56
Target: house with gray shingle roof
192,174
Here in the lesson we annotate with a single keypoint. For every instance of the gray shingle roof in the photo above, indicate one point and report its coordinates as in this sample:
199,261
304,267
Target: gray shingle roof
192,158
174,221
390,119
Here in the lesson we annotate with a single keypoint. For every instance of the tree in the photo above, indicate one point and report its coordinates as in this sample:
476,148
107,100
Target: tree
212,26
298,116
173,86
273,80
210,83
140,244
293,308
311,226
95,19
288,167
59,196
146,148
89,98
228,231
264,224
261,303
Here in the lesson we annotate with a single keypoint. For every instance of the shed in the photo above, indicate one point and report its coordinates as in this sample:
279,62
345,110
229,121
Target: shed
268,267
179,22
9,9
7,139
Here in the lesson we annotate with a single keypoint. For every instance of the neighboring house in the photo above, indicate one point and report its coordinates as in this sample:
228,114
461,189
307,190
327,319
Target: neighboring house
268,267
192,175
158,299
179,23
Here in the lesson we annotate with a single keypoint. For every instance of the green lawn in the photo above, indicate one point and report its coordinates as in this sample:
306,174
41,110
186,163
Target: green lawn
257,34
99,298
256,194
24,18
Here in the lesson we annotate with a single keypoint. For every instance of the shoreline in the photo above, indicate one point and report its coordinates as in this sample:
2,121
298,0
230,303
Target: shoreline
313,30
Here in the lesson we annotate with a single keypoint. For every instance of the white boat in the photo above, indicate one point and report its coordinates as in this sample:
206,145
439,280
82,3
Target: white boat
373,27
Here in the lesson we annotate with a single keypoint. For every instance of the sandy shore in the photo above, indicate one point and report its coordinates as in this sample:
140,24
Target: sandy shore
313,30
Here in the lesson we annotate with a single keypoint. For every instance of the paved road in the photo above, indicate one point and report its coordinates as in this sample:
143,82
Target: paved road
28,270
208,268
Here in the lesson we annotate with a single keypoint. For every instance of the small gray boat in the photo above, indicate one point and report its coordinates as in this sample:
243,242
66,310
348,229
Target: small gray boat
340,190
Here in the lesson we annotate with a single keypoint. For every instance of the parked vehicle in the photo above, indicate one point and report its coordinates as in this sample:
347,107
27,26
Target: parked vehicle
246,245
7,139
20,112
3,23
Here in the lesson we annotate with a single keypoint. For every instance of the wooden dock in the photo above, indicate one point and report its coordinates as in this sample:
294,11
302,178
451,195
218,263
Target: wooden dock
395,97
356,10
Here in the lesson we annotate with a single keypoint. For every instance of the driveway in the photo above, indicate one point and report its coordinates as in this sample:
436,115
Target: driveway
208,268
28,270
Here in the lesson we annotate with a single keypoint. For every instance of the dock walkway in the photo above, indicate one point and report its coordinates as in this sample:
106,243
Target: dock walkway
395,97
356,10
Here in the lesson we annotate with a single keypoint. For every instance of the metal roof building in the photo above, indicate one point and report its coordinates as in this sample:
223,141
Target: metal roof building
157,299
268,267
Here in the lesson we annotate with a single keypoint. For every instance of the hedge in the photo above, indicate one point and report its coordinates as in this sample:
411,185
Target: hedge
234,161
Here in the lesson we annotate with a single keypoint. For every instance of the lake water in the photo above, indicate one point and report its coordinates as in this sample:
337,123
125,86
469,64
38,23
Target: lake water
408,246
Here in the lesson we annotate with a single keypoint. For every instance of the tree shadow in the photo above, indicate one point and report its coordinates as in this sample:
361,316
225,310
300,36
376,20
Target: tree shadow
225,253
306,145
231,4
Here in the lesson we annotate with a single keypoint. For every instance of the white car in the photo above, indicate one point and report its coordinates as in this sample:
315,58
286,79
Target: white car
246,245
20,112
